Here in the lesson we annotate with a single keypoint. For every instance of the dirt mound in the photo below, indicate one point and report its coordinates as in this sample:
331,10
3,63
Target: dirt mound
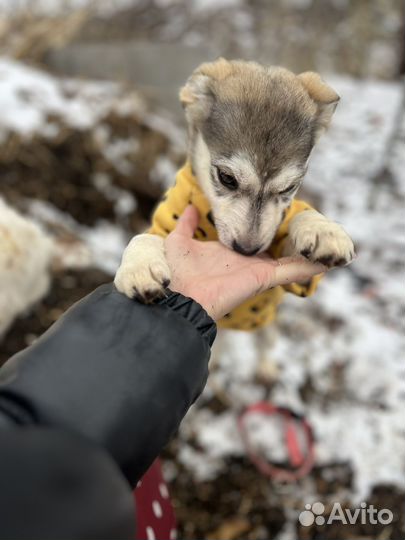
78,144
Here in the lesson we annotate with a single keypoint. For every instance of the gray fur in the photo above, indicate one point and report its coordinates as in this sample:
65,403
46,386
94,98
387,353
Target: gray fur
259,125
269,134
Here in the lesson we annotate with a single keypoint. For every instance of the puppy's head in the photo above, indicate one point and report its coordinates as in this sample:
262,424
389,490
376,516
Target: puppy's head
252,129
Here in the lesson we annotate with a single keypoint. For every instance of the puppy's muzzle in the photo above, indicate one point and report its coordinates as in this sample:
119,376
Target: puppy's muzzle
245,249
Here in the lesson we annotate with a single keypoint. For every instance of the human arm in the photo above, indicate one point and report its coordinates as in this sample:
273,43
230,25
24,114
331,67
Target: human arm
115,371
88,407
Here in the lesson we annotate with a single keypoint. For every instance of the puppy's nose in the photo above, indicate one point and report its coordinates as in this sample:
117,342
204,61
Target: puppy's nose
244,250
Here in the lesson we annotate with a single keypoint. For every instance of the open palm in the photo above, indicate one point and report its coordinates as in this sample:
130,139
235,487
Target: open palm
221,279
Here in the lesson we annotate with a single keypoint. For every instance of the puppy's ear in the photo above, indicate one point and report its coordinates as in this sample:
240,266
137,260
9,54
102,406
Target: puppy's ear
196,97
324,96
198,94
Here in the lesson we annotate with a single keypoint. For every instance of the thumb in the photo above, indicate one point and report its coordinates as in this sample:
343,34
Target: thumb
187,223
294,269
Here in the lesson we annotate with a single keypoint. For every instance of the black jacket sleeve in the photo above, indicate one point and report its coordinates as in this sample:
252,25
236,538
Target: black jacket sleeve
113,373
57,485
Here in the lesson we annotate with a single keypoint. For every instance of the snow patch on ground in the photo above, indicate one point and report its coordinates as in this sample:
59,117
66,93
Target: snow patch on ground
214,5
57,7
30,97
100,246
36,104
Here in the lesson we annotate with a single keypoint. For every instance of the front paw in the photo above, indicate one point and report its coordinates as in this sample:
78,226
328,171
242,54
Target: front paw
321,241
144,273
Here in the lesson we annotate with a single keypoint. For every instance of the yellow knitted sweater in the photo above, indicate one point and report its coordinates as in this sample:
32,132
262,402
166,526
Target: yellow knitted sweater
260,310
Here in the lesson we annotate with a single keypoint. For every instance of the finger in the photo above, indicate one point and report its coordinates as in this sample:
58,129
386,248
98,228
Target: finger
292,270
187,223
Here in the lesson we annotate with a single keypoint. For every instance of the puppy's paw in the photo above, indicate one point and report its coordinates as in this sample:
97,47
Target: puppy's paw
320,240
144,273
143,282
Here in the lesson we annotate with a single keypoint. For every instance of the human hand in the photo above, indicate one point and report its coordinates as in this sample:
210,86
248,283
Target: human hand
220,279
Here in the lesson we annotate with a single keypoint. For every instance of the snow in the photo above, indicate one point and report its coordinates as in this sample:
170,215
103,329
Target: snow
37,104
117,152
108,7
214,5
100,246
348,339
29,96
57,7
124,201
163,172
106,243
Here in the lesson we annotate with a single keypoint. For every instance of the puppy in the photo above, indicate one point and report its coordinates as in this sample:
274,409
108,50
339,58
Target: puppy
251,131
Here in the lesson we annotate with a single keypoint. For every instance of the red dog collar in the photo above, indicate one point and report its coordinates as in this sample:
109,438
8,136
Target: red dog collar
300,460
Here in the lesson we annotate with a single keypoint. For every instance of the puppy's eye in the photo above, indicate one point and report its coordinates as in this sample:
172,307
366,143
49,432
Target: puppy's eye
288,190
227,180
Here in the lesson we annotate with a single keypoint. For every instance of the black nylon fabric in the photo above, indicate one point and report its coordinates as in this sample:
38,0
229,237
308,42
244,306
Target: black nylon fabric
55,485
111,373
